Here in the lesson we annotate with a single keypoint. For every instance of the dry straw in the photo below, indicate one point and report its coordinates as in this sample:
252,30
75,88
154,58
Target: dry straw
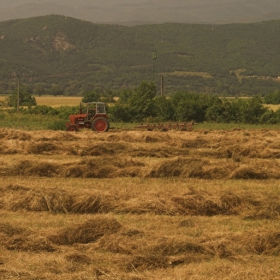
89,231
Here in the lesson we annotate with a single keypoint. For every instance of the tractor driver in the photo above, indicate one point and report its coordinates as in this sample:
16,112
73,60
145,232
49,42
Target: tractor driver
91,112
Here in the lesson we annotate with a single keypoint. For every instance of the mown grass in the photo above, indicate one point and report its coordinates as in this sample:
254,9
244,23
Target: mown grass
196,247
131,205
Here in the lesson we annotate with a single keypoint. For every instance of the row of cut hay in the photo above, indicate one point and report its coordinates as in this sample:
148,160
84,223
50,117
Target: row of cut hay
164,252
191,143
107,234
54,201
87,232
194,139
18,238
8,134
9,149
246,151
168,145
141,137
126,241
156,153
85,168
55,147
205,169
264,243
32,243
11,230
191,203
13,238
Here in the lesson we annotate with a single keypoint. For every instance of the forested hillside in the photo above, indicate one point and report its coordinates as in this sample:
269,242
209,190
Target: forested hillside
71,56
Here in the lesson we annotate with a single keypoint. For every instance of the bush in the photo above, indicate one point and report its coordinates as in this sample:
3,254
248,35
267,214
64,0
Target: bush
57,125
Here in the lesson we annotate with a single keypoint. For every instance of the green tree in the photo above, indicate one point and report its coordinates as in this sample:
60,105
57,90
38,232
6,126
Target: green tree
56,90
269,117
141,103
222,111
190,106
25,99
125,95
272,98
39,89
164,110
252,110
91,96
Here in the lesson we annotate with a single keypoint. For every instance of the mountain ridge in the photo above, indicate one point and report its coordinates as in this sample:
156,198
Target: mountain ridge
80,55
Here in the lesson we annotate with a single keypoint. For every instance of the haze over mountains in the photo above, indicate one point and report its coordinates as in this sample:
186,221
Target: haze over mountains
146,11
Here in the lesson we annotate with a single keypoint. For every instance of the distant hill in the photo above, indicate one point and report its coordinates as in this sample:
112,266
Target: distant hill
143,11
79,56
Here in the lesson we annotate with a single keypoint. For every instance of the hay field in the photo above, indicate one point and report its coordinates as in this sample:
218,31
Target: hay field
140,205
57,101
54,101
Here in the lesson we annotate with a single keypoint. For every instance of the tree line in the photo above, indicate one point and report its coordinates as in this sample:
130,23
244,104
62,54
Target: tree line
144,104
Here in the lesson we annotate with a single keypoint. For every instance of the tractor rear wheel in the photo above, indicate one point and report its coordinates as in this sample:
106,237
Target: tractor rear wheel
100,125
72,128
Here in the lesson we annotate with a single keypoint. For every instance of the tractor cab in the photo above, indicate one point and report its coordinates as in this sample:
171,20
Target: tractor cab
91,115
92,108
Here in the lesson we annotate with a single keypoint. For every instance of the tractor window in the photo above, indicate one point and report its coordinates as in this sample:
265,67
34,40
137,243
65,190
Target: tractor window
100,108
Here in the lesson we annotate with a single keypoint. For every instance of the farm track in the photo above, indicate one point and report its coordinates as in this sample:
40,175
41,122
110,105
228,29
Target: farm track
140,205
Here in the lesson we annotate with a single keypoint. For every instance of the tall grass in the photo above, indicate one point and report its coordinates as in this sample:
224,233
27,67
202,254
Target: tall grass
27,122
41,122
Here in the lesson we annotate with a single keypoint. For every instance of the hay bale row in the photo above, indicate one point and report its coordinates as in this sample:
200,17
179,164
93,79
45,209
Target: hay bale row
87,232
178,167
192,168
87,168
107,234
11,230
192,203
53,201
265,243
31,243
16,134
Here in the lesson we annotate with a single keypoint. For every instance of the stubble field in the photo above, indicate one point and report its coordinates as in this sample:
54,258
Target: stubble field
140,205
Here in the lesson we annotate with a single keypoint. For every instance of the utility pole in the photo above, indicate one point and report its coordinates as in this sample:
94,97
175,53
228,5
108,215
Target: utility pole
162,85
154,59
18,95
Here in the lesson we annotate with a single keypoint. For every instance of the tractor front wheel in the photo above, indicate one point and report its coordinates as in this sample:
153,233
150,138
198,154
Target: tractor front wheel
72,128
100,125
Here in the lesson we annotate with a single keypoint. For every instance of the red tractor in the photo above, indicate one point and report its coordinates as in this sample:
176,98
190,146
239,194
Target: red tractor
91,115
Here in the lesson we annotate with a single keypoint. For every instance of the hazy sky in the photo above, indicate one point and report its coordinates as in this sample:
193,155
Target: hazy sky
216,11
